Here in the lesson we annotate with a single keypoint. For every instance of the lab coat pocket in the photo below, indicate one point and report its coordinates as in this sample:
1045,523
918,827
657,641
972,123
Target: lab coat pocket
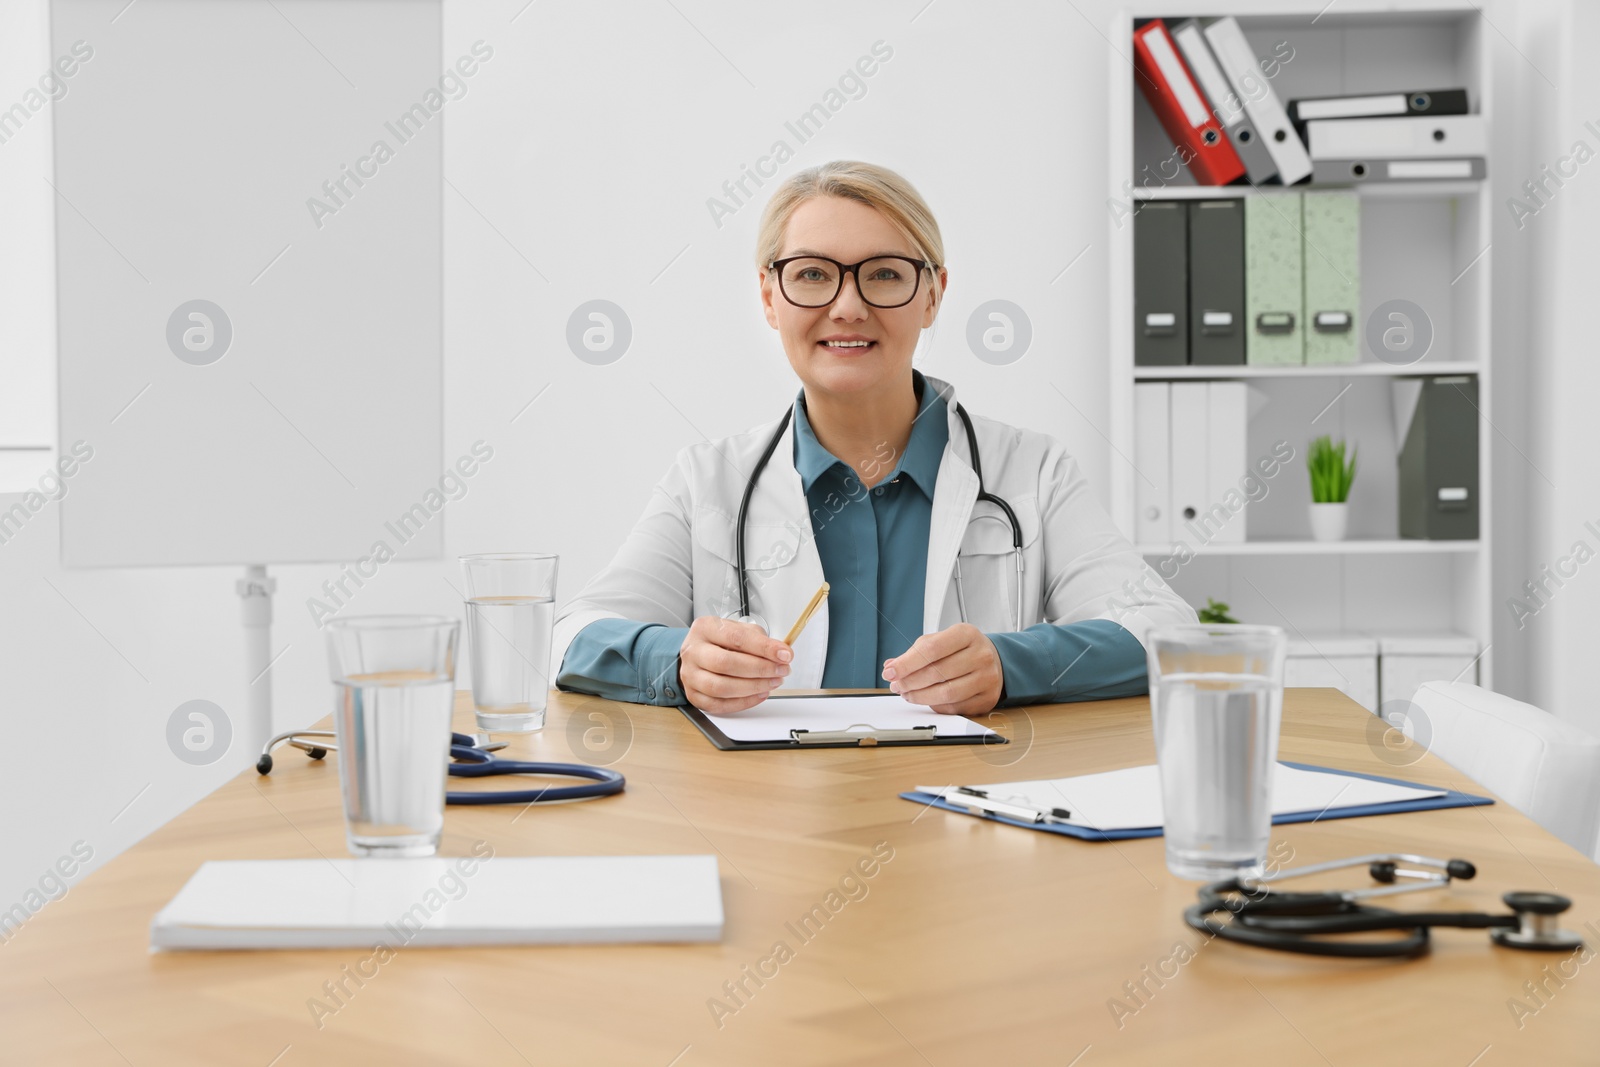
987,564
768,549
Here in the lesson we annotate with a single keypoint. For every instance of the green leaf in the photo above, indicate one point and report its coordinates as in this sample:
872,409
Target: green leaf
1331,476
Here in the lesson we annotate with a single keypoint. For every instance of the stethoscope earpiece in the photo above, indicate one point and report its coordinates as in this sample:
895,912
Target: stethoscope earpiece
1386,871
297,738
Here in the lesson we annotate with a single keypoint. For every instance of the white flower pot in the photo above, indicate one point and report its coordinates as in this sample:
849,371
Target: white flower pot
1328,521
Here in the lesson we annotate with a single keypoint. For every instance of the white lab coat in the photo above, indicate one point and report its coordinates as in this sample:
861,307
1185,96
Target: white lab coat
678,562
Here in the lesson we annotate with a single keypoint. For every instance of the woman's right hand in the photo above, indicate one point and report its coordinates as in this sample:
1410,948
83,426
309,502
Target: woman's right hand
727,666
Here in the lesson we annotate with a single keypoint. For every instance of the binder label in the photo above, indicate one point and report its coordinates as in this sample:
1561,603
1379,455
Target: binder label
1194,109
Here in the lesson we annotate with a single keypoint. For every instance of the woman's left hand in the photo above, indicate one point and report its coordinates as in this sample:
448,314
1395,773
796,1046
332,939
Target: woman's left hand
956,671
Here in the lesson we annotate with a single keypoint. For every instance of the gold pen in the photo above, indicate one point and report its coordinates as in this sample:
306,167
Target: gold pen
805,616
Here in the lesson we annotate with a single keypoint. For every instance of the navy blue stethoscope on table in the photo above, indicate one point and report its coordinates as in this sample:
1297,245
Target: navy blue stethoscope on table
983,494
472,757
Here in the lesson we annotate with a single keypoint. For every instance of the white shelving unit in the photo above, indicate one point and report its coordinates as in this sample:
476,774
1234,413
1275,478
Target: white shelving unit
1351,370
1285,547
1390,190
1423,242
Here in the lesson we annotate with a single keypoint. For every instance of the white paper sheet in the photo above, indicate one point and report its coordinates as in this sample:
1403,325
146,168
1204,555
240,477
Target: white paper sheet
773,718
1130,799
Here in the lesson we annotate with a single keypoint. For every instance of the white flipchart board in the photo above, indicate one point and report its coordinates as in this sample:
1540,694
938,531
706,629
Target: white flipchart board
187,148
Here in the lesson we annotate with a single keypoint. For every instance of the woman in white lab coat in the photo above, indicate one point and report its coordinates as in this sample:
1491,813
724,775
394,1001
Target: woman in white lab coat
860,490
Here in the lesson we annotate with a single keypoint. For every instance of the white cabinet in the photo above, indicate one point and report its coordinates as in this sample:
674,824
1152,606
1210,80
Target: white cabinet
1373,669
1409,659
1348,663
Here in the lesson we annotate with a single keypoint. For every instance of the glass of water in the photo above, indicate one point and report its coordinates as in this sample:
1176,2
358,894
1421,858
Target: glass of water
395,676
511,604
1216,698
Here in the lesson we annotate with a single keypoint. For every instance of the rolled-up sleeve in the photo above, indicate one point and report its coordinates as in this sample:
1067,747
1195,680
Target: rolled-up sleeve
1052,663
620,659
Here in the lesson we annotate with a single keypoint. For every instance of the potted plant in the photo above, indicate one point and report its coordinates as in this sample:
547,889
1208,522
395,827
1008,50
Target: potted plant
1215,612
1330,487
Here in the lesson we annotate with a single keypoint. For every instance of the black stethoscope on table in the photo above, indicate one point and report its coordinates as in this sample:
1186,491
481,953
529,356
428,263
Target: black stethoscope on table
983,494
473,757
1297,922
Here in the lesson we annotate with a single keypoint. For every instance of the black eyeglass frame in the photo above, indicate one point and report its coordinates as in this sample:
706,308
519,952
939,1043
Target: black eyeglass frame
855,269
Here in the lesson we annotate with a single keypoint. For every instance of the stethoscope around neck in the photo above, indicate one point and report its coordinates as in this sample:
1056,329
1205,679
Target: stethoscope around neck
983,494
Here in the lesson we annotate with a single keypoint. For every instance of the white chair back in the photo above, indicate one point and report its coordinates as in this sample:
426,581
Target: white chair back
1545,768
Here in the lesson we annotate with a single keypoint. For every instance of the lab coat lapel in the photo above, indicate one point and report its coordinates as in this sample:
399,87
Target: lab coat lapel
954,494
779,501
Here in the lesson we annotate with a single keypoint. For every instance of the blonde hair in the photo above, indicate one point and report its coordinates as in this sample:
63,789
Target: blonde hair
866,183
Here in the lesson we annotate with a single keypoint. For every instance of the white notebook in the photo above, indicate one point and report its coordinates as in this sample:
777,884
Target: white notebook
511,900
774,717
1130,799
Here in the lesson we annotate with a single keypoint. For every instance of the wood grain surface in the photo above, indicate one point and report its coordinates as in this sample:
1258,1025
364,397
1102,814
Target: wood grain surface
969,942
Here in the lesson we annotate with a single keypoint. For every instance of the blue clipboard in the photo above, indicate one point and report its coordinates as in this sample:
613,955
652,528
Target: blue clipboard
1451,799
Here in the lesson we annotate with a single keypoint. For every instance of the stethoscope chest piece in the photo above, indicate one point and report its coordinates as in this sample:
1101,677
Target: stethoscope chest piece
1539,929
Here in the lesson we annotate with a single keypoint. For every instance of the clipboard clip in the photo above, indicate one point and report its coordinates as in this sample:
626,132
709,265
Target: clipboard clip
872,737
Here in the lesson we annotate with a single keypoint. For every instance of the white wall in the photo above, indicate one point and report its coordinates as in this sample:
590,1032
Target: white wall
1562,467
581,162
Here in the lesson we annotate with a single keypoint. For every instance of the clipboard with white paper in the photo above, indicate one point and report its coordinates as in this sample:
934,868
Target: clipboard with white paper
837,720
1122,804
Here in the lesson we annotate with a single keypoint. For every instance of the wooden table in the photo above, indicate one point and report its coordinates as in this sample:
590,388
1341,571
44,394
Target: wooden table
970,943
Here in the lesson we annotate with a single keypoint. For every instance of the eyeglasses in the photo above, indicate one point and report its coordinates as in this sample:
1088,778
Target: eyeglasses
882,281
